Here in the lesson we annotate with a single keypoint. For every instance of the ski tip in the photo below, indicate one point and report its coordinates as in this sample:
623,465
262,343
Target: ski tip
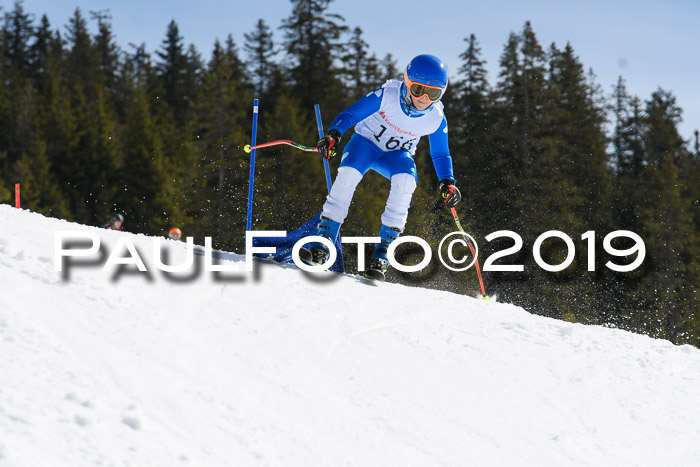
246,148
375,275
368,280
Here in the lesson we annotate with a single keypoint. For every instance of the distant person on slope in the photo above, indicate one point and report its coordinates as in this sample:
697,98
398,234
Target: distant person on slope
115,222
388,123
175,234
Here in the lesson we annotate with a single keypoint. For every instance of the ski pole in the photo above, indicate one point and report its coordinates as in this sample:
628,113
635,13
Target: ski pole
326,167
471,247
248,147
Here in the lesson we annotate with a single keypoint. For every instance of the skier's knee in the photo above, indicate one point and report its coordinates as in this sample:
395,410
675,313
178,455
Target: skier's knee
340,197
348,177
402,187
403,183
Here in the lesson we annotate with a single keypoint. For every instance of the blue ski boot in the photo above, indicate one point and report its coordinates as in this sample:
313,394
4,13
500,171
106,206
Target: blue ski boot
316,253
380,263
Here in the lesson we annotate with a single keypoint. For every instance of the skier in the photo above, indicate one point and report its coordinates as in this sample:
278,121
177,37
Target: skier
115,222
175,233
388,125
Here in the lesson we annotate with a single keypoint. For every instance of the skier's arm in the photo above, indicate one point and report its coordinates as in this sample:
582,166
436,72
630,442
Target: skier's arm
357,112
440,152
442,161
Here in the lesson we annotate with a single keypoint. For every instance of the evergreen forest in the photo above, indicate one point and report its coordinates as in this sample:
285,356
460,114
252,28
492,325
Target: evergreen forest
89,128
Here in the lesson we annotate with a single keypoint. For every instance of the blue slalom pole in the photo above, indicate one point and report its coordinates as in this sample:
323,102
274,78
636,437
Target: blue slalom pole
319,123
339,265
252,166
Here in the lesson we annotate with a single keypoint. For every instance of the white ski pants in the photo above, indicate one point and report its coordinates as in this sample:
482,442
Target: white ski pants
396,212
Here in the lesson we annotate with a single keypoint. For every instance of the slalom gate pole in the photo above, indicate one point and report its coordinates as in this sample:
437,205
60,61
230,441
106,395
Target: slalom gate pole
248,147
471,247
319,123
329,184
252,166
17,195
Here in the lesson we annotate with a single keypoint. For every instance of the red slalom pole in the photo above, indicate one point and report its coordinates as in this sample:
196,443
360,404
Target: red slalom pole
247,148
17,195
471,247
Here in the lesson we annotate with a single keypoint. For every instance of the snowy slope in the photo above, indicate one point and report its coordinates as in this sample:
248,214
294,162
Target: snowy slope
278,369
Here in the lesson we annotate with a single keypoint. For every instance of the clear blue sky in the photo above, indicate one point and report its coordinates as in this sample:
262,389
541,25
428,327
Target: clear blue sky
649,43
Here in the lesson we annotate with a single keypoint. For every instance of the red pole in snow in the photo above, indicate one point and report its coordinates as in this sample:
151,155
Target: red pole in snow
471,247
17,195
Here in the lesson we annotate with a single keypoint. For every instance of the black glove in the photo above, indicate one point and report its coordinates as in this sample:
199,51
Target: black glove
328,145
449,192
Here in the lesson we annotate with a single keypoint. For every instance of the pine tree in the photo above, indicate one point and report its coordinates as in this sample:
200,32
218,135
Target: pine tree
142,187
530,105
89,162
260,49
57,123
507,165
40,190
178,74
82,60
234,61
18,31
32,166
573,178
312,37
193,72
581,141
627,165
172,71
373,73
107,50
137,70
39,52
220,130
668,227
355,65
389,68
628,155
693,173
469,117
550,158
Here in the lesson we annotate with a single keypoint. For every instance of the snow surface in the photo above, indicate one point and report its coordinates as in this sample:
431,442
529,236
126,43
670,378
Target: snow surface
278,369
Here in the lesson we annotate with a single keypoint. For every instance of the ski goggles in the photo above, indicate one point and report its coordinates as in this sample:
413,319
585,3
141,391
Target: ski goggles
419,90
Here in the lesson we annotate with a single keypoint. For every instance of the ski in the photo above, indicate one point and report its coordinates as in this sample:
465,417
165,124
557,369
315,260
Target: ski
375,275
306,256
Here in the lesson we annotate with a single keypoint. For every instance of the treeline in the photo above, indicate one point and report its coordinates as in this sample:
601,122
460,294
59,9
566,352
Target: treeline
89,128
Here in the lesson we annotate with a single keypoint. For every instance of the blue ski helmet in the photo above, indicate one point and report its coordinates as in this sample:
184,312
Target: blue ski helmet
426,74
